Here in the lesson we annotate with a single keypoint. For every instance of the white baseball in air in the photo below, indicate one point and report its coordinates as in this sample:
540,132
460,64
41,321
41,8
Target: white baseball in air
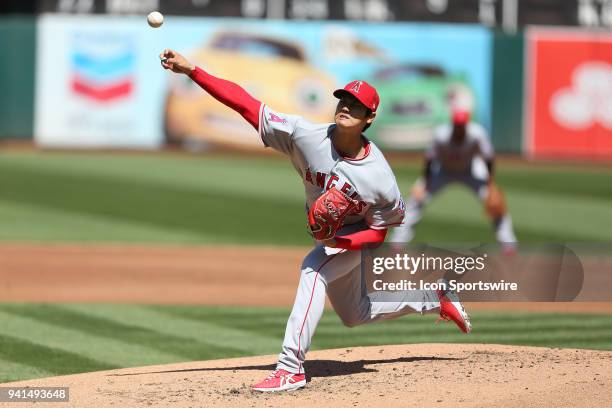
155,19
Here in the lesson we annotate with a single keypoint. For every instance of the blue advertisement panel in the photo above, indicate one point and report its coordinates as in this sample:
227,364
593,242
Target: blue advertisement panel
106,73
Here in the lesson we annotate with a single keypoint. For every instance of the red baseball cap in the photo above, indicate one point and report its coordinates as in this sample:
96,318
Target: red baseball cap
461,117
364,92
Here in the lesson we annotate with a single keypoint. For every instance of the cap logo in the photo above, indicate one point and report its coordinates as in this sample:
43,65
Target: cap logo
356,86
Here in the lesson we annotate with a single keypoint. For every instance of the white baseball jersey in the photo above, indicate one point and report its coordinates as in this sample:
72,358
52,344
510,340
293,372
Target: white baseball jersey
369,180
457,158
456,163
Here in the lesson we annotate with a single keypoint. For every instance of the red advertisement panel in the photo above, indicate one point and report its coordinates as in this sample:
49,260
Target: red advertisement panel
569,94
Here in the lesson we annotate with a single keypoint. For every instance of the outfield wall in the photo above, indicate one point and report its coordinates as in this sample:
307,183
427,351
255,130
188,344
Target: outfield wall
17,42
100,85
507,92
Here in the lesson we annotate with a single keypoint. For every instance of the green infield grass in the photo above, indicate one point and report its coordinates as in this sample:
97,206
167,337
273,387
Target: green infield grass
47,340
102,197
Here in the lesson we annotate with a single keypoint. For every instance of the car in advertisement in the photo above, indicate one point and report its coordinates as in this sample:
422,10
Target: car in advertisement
271,69
415,99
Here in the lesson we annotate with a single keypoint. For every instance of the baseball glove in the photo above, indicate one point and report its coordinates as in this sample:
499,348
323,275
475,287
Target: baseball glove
327,214
495,203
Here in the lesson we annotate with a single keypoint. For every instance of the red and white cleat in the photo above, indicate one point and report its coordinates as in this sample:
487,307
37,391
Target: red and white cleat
509,249
451,309
280,380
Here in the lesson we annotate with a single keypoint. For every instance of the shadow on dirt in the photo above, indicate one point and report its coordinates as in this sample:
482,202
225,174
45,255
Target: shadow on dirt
313,368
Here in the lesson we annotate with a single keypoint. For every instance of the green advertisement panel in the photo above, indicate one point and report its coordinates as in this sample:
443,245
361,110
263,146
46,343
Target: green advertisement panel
18,45
507,92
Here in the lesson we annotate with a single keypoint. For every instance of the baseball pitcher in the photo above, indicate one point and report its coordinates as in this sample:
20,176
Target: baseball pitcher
352,198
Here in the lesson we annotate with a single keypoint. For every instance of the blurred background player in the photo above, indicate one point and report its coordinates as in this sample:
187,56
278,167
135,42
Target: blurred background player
460,152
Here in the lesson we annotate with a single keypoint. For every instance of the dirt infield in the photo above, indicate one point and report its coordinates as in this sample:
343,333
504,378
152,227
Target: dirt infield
228,275
425,375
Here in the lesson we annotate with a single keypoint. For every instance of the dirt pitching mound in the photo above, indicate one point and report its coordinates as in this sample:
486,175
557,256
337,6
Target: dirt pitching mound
419,375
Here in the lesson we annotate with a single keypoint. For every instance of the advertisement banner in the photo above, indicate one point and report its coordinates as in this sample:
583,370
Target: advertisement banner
97,83
568,90
100,83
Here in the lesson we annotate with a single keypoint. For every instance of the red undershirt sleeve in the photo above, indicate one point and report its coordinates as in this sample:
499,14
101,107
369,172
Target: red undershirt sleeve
356,240
229,94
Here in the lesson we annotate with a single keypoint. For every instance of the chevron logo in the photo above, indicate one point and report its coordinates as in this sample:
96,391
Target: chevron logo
102,67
